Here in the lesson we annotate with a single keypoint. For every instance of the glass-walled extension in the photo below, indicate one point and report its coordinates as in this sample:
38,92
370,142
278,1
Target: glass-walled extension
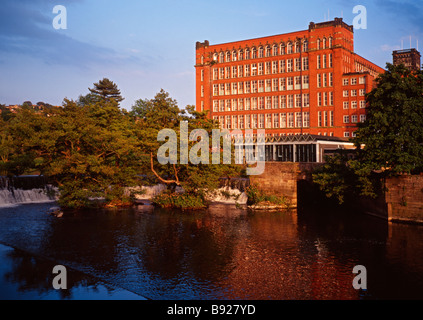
297,148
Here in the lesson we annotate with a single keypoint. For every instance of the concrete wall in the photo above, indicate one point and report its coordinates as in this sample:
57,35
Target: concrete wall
404,197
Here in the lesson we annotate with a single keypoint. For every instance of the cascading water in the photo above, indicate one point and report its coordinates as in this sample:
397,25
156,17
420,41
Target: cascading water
25,189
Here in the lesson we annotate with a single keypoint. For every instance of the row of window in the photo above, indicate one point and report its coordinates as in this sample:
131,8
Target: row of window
265,121
354,104
353,81
260,86
259,69
261,103
281,102
269,50
361,92
282,120
354,118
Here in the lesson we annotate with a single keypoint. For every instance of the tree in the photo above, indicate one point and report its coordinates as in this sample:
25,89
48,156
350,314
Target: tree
389,142
392,134
197,180
107,90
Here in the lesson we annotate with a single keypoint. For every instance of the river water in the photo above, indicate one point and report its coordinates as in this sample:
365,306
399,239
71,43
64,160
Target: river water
220,253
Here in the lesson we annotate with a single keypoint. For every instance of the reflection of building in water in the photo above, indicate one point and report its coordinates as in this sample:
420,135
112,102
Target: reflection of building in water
270,263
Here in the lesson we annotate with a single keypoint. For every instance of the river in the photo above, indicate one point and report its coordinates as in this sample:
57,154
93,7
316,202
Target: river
220,253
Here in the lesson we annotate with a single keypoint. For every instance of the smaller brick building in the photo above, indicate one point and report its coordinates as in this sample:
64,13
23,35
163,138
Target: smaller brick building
409,57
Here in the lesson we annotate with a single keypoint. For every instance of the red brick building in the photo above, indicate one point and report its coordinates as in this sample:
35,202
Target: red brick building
305,82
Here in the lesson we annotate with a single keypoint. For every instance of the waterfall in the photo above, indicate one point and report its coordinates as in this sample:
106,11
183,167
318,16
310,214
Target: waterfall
25,189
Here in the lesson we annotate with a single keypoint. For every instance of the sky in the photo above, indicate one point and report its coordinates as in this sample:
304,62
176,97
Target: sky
144,46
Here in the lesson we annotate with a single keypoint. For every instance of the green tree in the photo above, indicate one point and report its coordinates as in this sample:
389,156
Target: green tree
162,112
392,134
106,90
389,142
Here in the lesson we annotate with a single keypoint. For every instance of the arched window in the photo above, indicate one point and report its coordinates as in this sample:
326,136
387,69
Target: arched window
234,56
215,57
297,46
275,50
221,57
318,44
261,52
330,44
305,45
324,43
268,51
247,54
240,55
282,46
202,59
289,48
228,56
254,53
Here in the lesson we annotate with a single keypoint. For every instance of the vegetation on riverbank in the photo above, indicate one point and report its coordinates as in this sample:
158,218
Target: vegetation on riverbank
258,198
91,148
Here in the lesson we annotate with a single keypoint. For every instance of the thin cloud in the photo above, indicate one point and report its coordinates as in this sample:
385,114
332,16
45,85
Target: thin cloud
26,29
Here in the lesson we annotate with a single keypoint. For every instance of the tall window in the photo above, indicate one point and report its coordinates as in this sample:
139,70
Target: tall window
261,52
276,120
298,120
306,82
306,119
275,50
289,47
268,51
291,120
260,69
274,67
305,46
248,121
254,53
306,100
305,64
247,54
290,101
282,66
290,83
282,48
283,120
282,84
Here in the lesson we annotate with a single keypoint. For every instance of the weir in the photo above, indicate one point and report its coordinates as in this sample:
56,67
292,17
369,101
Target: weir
25,189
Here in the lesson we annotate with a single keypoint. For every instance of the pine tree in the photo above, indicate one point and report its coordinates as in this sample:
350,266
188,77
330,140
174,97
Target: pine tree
106,89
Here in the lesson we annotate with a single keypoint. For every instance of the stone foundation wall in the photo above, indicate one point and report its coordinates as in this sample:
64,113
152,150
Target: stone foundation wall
404,198
280,178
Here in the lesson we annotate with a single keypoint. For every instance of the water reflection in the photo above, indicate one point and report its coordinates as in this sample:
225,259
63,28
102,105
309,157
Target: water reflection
221,253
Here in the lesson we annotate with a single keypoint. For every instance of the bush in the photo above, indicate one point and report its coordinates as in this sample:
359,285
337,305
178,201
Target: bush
184,201
257,196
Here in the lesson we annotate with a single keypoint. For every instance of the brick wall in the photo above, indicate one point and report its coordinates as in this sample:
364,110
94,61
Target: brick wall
404,197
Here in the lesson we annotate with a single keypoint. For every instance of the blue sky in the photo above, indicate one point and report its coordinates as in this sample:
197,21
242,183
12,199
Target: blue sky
144,46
